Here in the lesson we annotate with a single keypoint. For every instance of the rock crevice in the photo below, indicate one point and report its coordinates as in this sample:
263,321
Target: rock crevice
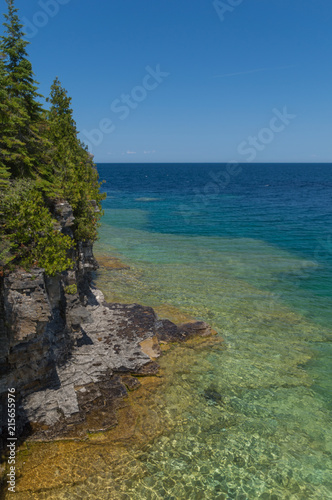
69,354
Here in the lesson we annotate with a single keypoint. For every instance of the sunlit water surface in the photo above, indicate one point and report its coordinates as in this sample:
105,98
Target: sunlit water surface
249,418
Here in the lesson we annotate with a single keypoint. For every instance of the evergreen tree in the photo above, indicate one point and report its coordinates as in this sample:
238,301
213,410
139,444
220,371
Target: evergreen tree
5,244
24,142
12,149
41,160
4,172
4,176
21,81
76,178
63,135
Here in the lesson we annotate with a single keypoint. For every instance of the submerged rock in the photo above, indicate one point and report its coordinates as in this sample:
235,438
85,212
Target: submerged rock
169,332
72,358
212,396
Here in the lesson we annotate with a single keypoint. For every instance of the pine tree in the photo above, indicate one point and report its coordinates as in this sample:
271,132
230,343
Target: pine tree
21,81
4,101
62,133
4,176
11,148
24,139
76,177
41,160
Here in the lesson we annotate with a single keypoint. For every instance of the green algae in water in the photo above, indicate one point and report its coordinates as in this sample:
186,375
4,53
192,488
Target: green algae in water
249,422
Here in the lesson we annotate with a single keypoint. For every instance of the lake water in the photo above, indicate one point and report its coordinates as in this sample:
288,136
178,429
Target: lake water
248,249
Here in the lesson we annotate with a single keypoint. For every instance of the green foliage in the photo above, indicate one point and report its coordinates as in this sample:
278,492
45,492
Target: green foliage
4,176
41,161
76,178
71,289
7,132
31,230
5,248
20,76
24,145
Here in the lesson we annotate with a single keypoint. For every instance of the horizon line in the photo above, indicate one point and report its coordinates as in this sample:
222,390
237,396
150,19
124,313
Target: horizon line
214,162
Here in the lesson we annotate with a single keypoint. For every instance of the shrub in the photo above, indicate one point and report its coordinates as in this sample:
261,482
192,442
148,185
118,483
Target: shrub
71,289
31,230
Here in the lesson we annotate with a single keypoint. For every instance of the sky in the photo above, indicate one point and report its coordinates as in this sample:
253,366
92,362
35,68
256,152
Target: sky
190,81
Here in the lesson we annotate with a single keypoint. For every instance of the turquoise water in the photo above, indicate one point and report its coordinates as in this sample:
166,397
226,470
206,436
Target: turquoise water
250,418
254,260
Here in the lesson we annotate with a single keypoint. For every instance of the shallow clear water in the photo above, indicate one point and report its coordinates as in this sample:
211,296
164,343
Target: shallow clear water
252,420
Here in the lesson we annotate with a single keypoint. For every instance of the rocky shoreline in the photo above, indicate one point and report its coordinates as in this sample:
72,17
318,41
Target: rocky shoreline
115,345
70,356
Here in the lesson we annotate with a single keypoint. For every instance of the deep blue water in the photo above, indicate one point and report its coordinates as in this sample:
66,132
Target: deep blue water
289,205
286,205
249,249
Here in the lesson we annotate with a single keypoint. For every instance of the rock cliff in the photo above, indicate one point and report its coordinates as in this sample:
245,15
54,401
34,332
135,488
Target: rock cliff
70,356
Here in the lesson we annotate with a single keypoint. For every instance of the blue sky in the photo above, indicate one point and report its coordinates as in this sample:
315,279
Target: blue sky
224,72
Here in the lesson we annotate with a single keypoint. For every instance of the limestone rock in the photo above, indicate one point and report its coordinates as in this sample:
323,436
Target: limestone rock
169,332
64,214
71,357
28,309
